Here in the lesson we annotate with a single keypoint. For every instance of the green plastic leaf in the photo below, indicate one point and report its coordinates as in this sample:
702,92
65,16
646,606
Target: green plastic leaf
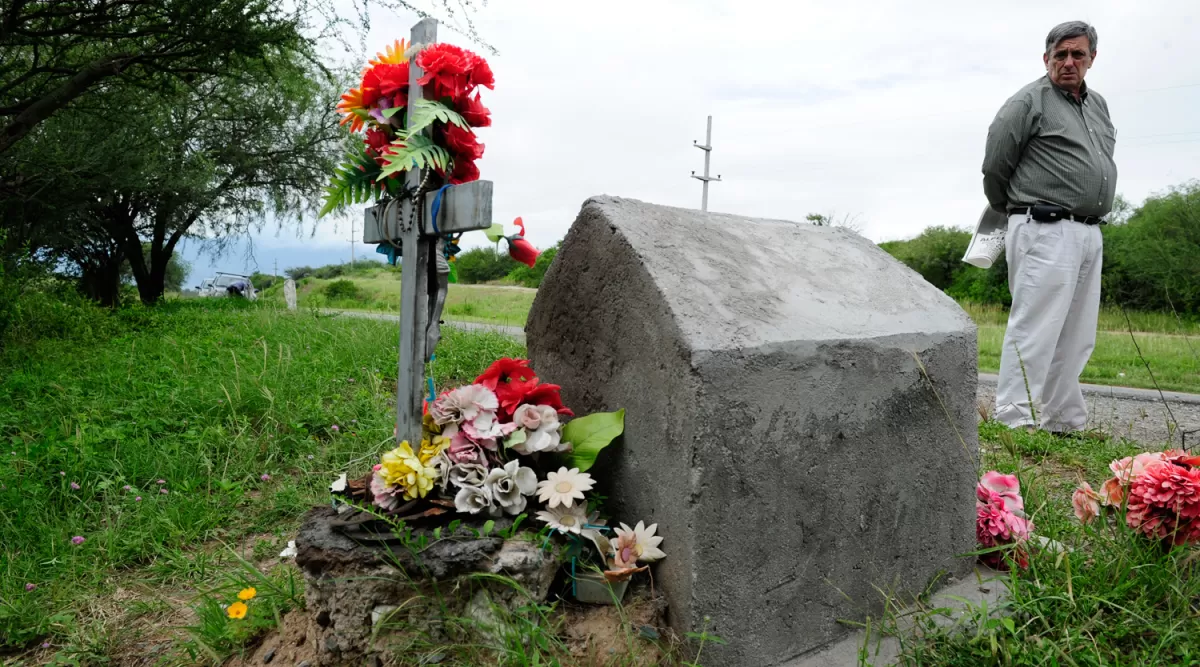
495,232
515,438
588,435
388,113
428,112
488,526
415,150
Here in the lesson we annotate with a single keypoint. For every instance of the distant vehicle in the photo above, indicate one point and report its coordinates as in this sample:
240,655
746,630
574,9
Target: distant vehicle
229,284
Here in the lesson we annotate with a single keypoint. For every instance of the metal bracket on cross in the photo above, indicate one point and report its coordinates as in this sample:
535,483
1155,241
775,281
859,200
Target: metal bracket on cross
424,272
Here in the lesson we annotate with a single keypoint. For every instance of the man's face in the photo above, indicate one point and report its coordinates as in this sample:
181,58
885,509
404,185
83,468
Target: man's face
1068,62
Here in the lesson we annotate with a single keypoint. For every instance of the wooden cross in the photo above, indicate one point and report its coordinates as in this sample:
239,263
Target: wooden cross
424,272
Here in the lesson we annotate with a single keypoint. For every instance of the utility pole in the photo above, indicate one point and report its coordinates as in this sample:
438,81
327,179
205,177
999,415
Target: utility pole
352,243
276,271
707,148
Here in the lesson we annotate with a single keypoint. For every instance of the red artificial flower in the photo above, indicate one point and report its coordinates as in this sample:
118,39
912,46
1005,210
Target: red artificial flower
481,73
393,81
447,70
370,88
520,224
377,140
522,250
464,171
473,111
546,394
510,380
461,143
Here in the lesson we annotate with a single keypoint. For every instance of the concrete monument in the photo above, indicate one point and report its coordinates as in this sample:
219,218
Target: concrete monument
779,429
289,293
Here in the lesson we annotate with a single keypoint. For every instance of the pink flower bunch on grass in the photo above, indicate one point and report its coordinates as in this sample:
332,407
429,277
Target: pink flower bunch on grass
1160,492
1000,518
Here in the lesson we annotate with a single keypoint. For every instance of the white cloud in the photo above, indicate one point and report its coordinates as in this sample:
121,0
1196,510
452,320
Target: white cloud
867,107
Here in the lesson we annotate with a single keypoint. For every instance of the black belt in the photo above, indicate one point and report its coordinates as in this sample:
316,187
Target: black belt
1055,214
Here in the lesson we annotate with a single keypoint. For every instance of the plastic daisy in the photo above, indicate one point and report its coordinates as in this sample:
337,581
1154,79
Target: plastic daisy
636,544
565,519
564,487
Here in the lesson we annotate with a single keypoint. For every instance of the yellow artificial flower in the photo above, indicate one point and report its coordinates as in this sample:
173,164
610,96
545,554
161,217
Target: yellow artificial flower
430,425
392,55
237,610
429,450
247,594
401,467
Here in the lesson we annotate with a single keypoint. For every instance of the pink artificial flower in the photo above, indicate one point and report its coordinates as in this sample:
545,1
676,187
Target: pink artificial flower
78,540
1086,503
464,450
472,403
387,497
1112,492
1164,502
1007,487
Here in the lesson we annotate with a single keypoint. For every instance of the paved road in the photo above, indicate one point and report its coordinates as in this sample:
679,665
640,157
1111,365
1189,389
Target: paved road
1138,414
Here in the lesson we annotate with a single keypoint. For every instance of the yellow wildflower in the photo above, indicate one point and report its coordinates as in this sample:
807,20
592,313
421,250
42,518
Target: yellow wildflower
237,610
401,467
247,594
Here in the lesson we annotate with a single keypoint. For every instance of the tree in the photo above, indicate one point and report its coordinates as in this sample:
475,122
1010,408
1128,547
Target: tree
54,53
1153,260
532,276
480,265
936,253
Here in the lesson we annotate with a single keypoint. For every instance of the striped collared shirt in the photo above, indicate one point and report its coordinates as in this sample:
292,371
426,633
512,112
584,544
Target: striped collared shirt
1045,146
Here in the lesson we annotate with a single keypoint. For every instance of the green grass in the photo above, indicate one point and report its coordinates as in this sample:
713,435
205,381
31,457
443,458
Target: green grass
1112,599
1169,344
206,396
379,291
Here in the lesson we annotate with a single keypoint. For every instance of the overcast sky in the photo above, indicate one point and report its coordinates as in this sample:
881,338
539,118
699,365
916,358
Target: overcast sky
873,109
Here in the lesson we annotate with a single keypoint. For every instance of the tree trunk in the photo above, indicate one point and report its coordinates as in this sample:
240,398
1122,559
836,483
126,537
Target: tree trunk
101,281
152,286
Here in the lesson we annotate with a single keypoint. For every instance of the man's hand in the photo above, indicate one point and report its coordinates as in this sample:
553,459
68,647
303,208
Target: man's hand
1007,136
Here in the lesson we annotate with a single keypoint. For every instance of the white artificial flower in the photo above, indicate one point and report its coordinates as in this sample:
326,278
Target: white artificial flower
564,487
566,519
338,485
465,404
636,544
290,551
542,429
467,474
473,500
509,486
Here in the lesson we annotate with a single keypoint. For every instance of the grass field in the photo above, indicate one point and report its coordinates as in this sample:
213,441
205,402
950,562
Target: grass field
183,445
199,425
1169,345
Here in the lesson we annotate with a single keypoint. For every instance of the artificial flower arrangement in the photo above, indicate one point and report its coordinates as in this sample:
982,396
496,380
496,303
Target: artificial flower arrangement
434,133
1159,492
505,445
1000,519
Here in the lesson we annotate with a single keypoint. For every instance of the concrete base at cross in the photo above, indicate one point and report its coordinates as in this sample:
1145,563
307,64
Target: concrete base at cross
800,415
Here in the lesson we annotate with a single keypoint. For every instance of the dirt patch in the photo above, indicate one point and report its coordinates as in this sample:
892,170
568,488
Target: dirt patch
286,645
606,635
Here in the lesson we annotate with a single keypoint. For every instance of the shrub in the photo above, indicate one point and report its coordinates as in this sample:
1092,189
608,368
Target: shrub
532,276
342,289
936,253
480,265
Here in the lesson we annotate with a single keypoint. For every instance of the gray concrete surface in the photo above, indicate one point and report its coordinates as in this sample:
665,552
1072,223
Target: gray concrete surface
961,600
1136,414
779,430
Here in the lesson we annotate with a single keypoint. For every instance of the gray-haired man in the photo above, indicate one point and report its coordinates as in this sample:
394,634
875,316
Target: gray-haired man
1049,166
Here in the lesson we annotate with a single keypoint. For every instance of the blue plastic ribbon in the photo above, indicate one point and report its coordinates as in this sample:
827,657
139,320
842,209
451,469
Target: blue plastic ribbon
437,206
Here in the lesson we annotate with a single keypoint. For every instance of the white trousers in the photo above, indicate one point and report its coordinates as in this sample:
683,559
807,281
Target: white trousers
1054,277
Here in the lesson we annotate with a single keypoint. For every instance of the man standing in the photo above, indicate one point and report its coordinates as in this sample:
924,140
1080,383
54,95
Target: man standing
1049,166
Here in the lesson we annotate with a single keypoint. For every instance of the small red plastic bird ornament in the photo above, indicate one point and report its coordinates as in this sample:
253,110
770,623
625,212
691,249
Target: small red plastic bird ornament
520,249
